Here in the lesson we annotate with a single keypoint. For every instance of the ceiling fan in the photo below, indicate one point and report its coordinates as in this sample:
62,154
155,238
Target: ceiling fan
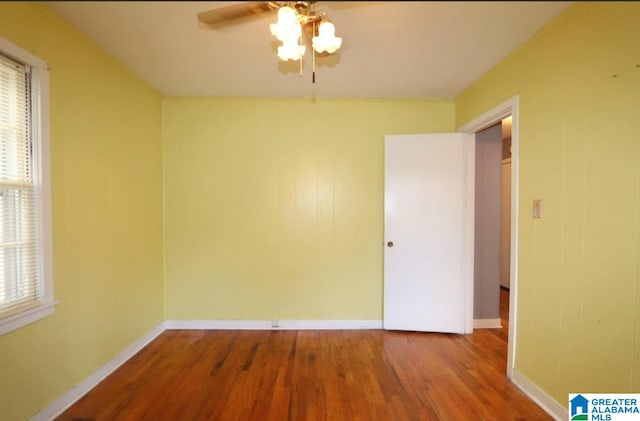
292,17
248,8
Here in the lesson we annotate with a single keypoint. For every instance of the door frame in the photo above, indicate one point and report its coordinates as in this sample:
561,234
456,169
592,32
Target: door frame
487,119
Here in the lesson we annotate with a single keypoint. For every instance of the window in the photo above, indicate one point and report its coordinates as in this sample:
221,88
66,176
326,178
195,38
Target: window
26,284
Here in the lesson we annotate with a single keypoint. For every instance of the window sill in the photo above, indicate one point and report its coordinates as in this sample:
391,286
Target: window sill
31,315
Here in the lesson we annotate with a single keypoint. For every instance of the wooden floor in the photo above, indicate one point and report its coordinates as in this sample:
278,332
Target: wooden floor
312,375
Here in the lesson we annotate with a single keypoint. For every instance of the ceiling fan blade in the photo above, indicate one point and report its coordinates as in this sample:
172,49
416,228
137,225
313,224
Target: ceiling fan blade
235,11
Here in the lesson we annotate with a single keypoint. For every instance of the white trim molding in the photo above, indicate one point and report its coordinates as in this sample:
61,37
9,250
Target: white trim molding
491,117
23,318
65,401
274,324
539,396
487,323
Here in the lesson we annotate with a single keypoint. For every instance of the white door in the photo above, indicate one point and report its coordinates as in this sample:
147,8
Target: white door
428,234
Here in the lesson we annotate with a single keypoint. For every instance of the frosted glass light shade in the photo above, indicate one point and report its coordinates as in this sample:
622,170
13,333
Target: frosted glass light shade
291,50
326,41
287,26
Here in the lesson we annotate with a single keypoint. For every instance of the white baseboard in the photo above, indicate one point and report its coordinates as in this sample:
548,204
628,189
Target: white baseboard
539,396
486,323
269,325
65,401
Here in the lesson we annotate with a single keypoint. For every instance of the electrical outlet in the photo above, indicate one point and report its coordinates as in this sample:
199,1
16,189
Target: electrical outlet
275,323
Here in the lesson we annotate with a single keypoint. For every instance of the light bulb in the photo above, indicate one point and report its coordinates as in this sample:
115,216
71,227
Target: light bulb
291,50
326,39
287,26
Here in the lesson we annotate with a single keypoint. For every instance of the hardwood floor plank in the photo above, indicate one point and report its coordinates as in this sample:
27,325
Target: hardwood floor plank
312,375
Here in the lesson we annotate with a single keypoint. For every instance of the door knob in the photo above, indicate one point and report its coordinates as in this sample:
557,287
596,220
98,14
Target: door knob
390,244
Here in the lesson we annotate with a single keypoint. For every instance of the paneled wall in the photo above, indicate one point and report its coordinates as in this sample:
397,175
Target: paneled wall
274,208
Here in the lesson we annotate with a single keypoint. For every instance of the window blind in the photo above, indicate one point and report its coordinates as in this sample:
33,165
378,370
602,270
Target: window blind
19,283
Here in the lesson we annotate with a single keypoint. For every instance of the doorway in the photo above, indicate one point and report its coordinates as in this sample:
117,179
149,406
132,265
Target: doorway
488,119
487,227
492,224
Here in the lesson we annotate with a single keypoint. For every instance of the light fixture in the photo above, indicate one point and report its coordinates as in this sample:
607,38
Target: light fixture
326,41
292,16
291,50
288,30
288,26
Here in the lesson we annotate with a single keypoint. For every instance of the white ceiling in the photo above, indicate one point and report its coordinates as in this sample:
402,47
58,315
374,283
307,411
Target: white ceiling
390,49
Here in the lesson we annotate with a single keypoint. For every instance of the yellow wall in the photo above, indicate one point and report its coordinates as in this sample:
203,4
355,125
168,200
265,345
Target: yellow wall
107,216
274,208
579,286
